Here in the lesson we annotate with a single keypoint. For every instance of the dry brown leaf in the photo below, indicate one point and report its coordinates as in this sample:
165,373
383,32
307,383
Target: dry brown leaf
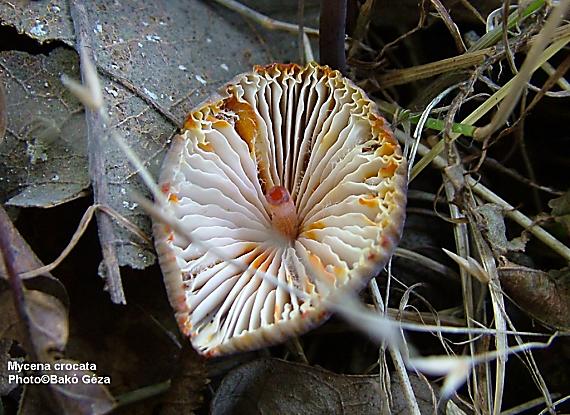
543,297
275,386
156,63
44,22
42,158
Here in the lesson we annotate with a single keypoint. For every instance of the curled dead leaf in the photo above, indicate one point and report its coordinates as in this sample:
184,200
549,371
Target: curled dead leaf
539,294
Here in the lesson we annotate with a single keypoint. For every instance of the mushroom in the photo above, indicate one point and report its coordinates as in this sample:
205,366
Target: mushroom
291,188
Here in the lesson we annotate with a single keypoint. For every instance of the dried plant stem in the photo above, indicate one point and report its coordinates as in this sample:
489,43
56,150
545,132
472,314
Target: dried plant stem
498,302
496,165
451,26
264,20
427,263
519,133
493,36
143,393
411,152
466,60
527,406
332,26
558,402
493,100
301,34
97,171
9,257
296,348
424,317
461,235
423,6
403,76
490,196
396,355
561,81
361,27
529,66
555,77
523,220
473,10
505,36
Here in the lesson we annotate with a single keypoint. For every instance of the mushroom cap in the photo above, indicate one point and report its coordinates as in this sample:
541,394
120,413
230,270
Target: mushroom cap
237,284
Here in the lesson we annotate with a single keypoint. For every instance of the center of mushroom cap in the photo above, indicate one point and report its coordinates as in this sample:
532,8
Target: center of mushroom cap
283,212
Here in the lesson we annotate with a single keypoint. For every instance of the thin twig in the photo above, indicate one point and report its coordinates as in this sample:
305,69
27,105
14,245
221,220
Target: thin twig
309,57
562,82
544,90
473,10
96,149
520,137
423,6
8,257
137,91
264,20
493,36
451,26
361,27
498,166
505,35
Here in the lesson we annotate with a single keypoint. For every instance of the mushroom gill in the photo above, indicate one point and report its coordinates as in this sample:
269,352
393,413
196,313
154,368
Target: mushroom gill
292,173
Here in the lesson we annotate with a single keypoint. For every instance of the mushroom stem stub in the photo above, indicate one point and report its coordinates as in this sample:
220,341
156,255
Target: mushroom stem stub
283,211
